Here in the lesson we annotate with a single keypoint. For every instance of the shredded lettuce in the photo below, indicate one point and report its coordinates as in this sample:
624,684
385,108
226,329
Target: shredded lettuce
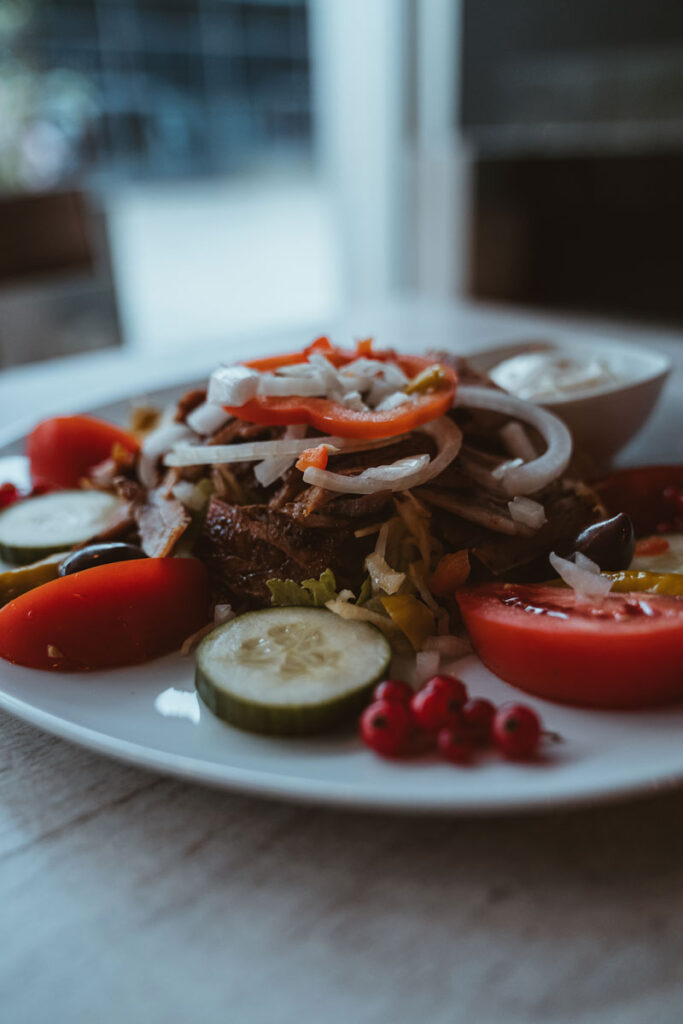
309,594
365,592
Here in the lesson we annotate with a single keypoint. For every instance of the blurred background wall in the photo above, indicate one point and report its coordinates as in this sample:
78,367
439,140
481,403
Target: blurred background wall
175,170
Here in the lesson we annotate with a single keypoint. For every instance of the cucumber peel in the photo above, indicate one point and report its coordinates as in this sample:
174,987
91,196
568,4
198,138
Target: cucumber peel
37,527
290,671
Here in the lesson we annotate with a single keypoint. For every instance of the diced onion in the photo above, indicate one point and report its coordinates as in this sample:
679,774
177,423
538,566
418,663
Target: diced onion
537,474
583,580
309,386
296,370
527,511
156,444
398,476
222,613
334,388
233,385
393,400
207,418
353,400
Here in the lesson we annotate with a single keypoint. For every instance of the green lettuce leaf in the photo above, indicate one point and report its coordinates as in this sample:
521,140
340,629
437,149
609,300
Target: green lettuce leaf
309,594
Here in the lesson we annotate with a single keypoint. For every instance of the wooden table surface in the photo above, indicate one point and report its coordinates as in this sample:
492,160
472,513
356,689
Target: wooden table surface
126,896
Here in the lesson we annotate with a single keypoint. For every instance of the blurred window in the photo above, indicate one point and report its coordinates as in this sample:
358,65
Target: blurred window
180,86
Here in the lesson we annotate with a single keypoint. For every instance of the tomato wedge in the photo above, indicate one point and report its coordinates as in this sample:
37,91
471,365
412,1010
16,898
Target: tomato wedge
117,614
333,418
61,450
652,496
624,652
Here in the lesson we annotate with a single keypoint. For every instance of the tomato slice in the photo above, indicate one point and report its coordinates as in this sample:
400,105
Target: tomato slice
651,495
61,450
626,651
333,418
117,614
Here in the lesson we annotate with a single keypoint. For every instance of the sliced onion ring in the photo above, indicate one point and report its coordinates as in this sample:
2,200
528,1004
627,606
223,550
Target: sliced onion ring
398,476
255,451
535,475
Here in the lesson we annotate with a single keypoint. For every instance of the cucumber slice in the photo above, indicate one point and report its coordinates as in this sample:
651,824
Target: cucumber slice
21,579
37,527
289,671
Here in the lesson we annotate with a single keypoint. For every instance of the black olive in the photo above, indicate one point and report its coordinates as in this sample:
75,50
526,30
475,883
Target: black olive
99,554
610,543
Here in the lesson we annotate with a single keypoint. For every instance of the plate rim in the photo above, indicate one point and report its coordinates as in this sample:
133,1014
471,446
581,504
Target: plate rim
313,792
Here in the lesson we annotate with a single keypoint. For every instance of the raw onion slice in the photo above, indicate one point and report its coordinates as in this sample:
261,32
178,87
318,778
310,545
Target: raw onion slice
585,582
255,451
535,475
517,441
270,470
398,476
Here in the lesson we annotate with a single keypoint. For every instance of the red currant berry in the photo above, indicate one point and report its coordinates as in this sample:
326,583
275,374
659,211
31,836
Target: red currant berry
8,495
452,687
454,745
393,690
478,717
433,709
386,727
516,731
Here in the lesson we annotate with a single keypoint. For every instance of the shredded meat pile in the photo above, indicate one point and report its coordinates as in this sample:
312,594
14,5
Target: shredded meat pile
252,533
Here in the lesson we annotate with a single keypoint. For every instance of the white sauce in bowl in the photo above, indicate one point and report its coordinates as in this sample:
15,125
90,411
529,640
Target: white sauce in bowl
552,376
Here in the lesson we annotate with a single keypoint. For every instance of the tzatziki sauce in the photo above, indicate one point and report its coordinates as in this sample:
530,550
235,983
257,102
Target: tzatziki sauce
553,375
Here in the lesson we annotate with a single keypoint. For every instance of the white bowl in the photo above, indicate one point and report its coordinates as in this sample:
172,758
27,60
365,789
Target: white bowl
602,420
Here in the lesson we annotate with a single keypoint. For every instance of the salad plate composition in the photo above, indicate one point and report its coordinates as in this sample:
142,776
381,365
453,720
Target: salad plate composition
354,576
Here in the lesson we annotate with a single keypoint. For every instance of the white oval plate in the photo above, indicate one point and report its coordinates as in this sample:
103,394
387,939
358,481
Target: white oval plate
150,716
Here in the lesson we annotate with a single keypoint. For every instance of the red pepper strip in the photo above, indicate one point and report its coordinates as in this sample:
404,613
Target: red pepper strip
313,457
333,418
322,345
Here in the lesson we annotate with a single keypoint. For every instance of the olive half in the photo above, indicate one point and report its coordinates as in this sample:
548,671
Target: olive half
610,542
99,554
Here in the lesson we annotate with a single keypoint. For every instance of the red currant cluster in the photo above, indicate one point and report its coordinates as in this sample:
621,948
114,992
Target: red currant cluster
400,723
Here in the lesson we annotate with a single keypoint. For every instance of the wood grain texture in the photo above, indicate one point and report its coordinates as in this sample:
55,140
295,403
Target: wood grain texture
128,897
